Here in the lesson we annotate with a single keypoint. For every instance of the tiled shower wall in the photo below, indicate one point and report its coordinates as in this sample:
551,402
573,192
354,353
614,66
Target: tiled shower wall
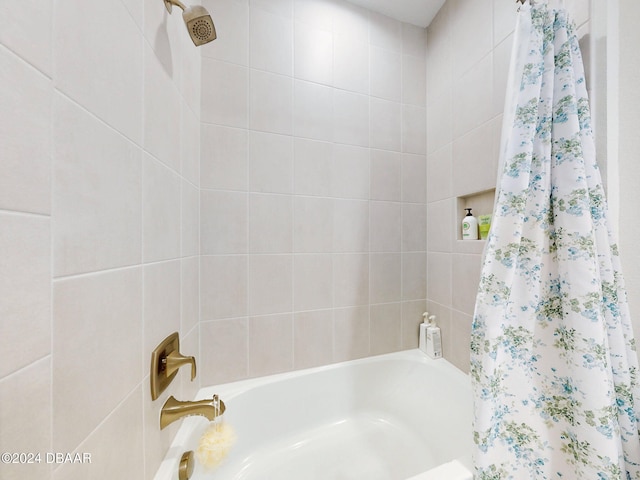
313,195
468,52
99,229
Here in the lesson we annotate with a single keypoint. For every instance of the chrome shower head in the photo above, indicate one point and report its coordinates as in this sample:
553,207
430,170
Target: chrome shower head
198,21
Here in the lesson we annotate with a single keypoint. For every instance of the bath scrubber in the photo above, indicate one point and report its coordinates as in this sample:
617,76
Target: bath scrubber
215,444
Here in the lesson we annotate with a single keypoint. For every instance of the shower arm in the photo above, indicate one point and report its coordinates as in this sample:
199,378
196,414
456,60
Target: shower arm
169,4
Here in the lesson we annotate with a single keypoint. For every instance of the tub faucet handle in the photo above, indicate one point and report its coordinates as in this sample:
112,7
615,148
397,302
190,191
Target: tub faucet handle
175,360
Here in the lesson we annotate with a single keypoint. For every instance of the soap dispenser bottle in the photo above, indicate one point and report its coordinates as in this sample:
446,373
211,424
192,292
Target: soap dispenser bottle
422,340
434,341
469,226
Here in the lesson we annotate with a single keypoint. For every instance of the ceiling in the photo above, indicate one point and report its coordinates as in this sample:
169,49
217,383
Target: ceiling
416,12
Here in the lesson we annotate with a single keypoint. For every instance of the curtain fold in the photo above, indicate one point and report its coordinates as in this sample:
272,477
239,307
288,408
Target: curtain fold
553,359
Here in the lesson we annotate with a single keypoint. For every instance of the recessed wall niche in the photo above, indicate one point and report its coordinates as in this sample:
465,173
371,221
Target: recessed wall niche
481,203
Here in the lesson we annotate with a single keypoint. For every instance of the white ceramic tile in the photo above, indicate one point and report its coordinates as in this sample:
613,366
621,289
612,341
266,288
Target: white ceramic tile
104,77
386,226
283,8
351,118
160,211
351,333
414,227
25,306
224,284
473,160
313,274
350,226
351,21
161,113
439,174
270,223
190,296
414,276
350,172
190,85
90,314
460,339
439,278
223,157
386,123
225,352
414,129
231,19
25,170
472,33
28,30
271,102
190,144
313,111
312,224
224,93
350,279
442,228
270,344
414,177
504,21
439,123
116,445
385,277
190,220
96,193
385,32
501,61
270,163
411,319
224,217
271,42
414,40
270,284
25,417
318,13
473,100
386,74
312,167
156,441
163,33
312,338
313,54
386,175
439,54
385,328
466,277
161,294
350,64
414,80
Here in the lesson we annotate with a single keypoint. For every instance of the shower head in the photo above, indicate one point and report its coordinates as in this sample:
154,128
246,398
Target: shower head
198,21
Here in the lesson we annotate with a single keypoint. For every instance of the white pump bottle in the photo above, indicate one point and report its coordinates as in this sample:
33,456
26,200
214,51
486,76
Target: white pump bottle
430,341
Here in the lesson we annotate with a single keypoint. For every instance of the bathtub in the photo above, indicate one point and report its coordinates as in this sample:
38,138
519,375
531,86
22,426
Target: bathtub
398,416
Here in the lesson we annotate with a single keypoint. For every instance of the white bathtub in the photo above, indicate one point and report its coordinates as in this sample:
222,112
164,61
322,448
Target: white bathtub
391,417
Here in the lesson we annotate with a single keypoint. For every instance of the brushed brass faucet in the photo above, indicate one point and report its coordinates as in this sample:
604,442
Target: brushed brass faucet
173,409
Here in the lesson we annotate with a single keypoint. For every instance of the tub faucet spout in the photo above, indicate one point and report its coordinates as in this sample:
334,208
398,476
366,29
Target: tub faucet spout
173,409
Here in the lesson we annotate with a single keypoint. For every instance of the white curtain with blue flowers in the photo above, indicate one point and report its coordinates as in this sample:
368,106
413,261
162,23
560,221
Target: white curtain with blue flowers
553,361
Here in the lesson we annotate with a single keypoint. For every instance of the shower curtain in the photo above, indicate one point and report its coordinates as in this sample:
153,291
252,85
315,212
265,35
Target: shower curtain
553,360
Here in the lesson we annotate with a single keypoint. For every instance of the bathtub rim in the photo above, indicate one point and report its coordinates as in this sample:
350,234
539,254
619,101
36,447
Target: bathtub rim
231,389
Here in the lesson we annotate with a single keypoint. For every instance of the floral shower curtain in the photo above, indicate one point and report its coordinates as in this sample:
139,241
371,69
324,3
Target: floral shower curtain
553,362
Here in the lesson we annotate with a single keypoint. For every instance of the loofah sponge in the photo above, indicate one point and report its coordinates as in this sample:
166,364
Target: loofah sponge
215,443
